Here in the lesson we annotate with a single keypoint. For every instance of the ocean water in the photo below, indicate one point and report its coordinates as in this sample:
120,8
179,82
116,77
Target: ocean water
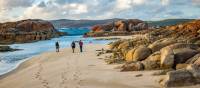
74,31
10,60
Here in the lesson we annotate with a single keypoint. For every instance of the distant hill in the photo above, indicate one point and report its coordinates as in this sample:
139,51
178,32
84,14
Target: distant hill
168,22
66,23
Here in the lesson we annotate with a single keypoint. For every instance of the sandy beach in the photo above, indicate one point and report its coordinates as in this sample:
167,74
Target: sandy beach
74,70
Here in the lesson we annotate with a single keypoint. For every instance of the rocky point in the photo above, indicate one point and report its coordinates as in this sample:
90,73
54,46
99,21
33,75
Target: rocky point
172,47
115,28
26,31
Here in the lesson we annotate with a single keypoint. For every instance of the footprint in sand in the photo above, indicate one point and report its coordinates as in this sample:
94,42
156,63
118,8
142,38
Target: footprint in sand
40,78
45,84
37,75
64,78
77,77
76,74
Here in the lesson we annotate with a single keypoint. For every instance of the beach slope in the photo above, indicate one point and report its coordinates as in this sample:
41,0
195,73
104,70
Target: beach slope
74,70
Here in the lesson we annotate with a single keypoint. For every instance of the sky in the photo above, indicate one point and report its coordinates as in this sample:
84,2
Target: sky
13,10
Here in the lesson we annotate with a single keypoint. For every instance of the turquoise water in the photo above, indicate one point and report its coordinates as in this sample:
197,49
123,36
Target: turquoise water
74,31
10,60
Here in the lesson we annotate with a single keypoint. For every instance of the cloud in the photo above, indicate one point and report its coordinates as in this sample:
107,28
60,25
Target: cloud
123,4
127,4
165,2
196,2
176,13
42,4
9,4
52,11
98,9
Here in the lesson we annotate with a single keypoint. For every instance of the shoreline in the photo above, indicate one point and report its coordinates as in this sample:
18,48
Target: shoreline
21,64
90,71
30,55
27,59
17,67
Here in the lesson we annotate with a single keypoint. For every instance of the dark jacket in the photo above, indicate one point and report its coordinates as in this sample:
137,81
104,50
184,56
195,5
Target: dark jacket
57,45
73,45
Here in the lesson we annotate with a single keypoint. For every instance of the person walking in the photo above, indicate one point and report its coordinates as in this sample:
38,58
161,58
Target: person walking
81,46
57,46
73,45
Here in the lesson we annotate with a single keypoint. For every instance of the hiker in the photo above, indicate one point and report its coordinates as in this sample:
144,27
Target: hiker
57,46
73,45
81,46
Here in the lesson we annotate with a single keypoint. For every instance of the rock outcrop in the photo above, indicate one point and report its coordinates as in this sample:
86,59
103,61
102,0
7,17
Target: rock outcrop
141,53
157,45
174,47
26,31
6,49
120,27
182,77
137,66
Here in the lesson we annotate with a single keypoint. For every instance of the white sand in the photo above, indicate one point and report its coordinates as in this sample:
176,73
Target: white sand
74,70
